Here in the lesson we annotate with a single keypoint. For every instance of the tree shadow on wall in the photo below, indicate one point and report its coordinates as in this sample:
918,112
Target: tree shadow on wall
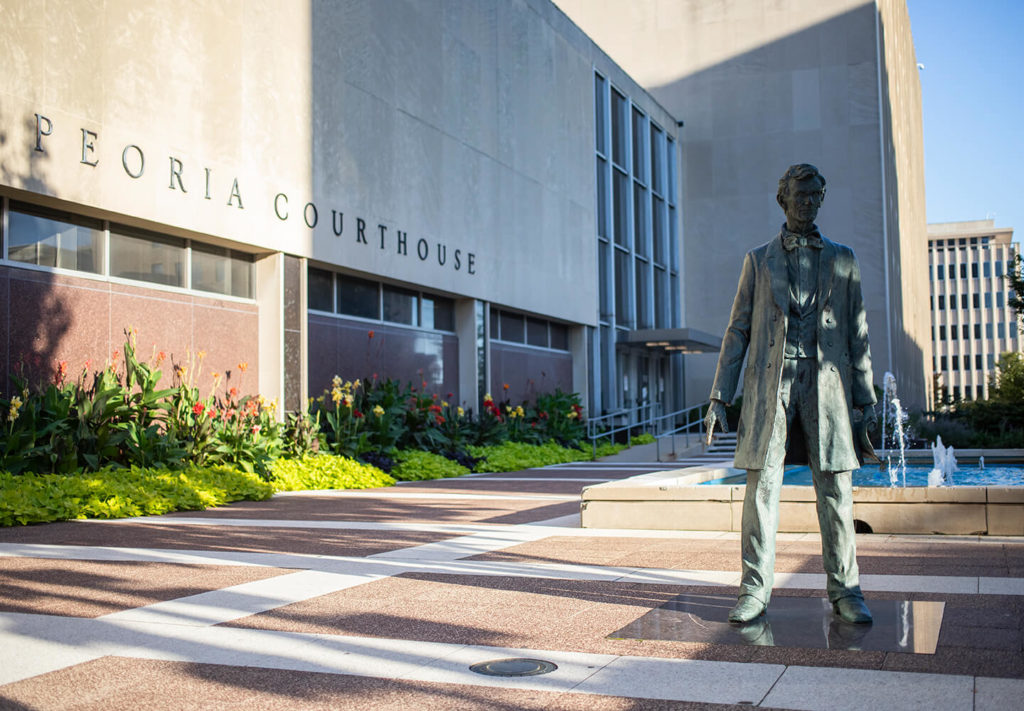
35,319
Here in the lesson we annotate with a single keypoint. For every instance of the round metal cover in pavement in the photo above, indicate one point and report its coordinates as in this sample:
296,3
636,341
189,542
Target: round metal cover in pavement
514,667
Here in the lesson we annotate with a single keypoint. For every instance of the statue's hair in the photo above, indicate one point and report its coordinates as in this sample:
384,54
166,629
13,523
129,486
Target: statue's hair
800,171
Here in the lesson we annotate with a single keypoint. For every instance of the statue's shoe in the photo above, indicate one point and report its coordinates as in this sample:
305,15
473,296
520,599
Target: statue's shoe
747,608
852,609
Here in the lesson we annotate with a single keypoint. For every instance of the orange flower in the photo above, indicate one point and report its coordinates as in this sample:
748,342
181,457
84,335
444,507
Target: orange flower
369,334
505,386
243,366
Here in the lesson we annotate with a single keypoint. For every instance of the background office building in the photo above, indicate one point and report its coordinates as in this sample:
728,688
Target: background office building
466,194
972,323
760,86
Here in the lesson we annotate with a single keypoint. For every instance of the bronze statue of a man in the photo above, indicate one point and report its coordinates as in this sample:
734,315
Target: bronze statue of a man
799,314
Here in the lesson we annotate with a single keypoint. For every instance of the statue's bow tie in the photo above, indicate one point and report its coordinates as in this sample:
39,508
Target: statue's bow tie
791,241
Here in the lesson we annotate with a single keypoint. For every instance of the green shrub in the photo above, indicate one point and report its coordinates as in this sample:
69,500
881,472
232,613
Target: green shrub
116,493
414,465
326,471
645,438
513,456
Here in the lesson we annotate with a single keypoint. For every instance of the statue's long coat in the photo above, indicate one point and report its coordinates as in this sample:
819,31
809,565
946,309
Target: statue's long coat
758,324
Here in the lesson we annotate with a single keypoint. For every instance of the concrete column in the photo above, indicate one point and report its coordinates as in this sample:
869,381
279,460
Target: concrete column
270,298
580,371
466,328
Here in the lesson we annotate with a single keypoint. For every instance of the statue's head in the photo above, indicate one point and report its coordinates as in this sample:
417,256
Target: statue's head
801,192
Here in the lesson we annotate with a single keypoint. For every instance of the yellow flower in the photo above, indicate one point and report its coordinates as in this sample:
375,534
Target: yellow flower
444,404
16,402
261,400
347,401
336,381
508,408
357,383
461,411
519,411
487,398
336,395
572,415
24,393
378,410
273,404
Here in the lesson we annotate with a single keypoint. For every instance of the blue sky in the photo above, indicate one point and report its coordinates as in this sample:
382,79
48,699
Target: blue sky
972,88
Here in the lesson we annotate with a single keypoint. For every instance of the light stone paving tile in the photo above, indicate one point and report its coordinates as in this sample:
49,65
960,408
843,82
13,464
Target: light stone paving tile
681,577
569,521
358,494
236,601
997,694
149,555
685,680
960,584
31,645
836,689
453,528
573,668
800,581
1001,586
463,546
332,654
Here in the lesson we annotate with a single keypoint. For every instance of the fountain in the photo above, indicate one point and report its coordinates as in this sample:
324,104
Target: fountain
894,414
944,464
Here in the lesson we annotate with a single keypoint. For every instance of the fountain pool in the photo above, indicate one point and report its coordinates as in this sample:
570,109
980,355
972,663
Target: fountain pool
916,475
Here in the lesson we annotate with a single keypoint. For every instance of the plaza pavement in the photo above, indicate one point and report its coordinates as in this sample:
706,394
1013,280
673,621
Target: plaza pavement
384,598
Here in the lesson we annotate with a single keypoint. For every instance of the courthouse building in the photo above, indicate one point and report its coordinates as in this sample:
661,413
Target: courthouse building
972,321
470,194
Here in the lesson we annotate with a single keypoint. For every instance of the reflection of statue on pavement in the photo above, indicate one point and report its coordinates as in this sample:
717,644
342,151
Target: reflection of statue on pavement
799,314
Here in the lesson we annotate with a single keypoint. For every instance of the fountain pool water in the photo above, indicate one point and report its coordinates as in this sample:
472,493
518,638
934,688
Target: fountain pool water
916,475
895,416
941,473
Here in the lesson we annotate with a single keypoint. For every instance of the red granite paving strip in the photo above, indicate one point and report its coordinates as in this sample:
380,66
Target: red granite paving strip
480,485
980,635
250,539
74,588
931,558
121,683
370,508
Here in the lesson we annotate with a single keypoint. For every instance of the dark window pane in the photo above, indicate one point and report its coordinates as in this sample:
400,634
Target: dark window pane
639,152
147,257
600,104
619,129
662,311
623,316
670,162
537,332
657,161
620,205
444,314
512,327
400,306
658,232
320,290
643,299
974,270
358,297
559,336
495,324
54,239
602,198
640,219
603,279
210,269
243,272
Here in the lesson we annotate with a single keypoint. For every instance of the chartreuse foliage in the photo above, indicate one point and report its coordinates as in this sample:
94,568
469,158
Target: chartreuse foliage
415,465
326,471
115,493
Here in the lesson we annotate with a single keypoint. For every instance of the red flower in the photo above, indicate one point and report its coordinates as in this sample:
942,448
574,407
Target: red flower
434,408
197,409
233,393
357,414
370,333
438,419
449,396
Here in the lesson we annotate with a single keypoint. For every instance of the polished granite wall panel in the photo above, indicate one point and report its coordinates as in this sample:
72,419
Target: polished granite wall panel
50,318
528,372
346,348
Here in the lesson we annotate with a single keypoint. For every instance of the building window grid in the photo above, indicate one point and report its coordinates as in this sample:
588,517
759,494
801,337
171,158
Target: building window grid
107,228
627,129
976,301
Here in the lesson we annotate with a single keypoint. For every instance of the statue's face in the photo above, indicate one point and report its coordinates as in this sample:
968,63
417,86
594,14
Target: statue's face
804,199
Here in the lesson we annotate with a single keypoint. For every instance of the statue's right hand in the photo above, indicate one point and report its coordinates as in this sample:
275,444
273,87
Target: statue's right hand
716,415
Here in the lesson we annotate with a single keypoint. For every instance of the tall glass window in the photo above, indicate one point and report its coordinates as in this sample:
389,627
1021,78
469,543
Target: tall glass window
637,233
54,239
147,257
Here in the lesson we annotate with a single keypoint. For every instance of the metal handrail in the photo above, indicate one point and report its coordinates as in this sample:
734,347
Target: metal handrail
653,423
